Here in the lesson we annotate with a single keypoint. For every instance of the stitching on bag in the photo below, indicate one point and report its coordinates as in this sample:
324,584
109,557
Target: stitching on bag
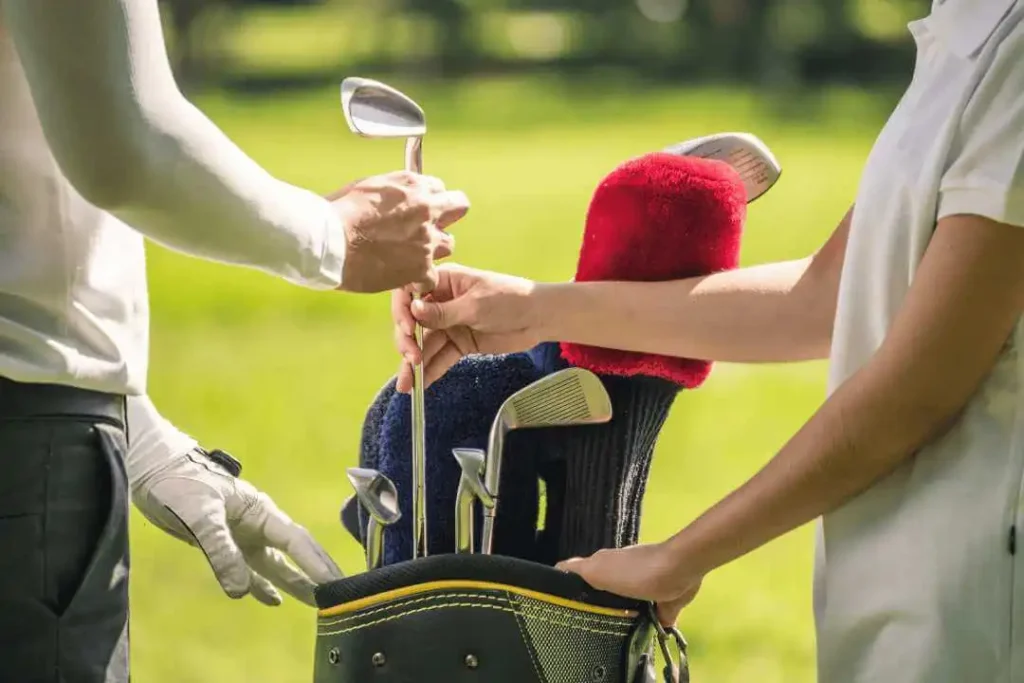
334,621
526,641
399,615
602,621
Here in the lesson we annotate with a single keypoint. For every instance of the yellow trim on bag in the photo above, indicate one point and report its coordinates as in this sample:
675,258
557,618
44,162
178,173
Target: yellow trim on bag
407,591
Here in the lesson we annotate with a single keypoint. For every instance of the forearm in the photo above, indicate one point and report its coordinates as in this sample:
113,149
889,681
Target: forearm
130,143
768,313
196,192
862,433
936,355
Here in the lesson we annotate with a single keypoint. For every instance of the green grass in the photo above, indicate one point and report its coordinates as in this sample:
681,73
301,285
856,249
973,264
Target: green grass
281,376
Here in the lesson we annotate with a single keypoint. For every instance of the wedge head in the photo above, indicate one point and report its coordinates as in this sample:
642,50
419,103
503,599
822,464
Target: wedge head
375,110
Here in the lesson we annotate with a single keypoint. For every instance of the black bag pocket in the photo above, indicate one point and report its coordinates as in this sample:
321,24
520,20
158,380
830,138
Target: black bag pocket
462,618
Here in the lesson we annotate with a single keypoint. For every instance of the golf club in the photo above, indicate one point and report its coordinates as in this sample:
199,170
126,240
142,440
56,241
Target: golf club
573,396
471,487
745,152
375,110
377,494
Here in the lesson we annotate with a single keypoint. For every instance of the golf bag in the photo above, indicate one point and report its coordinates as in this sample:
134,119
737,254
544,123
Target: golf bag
510,616
475,618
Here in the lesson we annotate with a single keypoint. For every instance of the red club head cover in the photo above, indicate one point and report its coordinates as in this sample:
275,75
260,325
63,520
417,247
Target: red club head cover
659,217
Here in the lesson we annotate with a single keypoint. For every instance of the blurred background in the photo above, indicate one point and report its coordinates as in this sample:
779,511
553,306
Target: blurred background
529,104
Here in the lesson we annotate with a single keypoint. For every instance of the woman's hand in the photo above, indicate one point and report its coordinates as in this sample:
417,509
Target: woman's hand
643,572
469,311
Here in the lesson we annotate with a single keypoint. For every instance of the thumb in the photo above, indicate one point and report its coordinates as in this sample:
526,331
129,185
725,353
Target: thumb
213,536
440,315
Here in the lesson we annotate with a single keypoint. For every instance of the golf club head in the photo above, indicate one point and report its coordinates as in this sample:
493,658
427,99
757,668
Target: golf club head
569,397
375,110
745,152
472,461
376,493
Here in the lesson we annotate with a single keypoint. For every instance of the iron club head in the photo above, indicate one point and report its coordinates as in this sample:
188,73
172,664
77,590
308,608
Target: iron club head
569,397
376,110
472,461
378,495
745,152
471,487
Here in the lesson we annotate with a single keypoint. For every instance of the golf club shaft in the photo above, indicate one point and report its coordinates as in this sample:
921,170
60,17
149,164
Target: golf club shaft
464,518
487,537
492,480
374,543
414,163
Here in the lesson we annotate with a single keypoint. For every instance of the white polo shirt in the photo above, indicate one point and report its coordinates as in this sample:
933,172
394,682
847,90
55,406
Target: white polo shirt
90,115
918,580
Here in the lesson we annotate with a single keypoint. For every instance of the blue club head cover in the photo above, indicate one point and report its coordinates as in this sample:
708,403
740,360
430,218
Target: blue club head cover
460,408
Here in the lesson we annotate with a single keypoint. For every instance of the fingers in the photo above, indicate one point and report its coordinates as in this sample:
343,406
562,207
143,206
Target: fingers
438,315
298,544
573,565
441,361
274,565
435,356
213,536
404,380
442,244
401,300
263,591
448,207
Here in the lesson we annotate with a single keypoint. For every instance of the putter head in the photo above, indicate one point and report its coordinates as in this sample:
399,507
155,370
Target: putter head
745,152
569,397
376,493
375,110
472,461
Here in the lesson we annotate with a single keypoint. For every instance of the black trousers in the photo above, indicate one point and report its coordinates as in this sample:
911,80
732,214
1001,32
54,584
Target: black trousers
63,536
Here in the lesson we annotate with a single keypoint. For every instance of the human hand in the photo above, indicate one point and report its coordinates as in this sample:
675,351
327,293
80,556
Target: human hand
643,572
469,311
248,541
394,229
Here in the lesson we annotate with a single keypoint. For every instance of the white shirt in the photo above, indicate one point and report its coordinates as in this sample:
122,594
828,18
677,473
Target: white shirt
98,148
915,580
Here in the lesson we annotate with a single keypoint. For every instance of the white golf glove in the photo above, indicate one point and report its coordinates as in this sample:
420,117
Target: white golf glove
246,538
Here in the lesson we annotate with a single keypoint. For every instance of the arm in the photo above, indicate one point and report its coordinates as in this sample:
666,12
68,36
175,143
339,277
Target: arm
130,143
889,409
768,313
775,312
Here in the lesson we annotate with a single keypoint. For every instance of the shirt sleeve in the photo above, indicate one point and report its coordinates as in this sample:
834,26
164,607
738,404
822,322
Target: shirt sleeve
986,176
130,143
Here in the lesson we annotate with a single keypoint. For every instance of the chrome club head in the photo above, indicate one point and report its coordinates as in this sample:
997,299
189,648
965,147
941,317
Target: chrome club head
471,487
378,495
569,397
745,152
375,110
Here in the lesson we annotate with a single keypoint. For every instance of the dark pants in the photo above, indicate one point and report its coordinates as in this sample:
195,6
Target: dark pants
63,536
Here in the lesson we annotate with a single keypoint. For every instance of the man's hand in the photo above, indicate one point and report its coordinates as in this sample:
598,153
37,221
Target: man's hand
643,572
469,311
394,227
246,538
